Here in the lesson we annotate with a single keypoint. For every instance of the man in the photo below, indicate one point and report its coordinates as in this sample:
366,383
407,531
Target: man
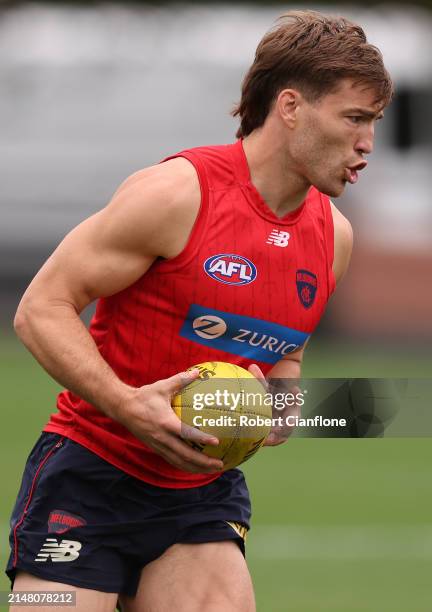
114,504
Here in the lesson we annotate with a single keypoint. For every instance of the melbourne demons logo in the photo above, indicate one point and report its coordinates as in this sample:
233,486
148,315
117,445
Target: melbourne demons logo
230,269
60,521
306,287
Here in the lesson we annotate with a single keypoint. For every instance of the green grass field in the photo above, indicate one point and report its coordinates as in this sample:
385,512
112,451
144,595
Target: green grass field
338,525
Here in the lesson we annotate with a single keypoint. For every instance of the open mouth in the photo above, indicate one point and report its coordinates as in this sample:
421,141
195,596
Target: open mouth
351,172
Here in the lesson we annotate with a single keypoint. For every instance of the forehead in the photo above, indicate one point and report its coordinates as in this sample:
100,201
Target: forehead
350,94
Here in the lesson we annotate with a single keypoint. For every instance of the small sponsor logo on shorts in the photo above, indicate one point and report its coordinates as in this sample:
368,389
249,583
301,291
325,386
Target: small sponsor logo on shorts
240,529
60,521
65,550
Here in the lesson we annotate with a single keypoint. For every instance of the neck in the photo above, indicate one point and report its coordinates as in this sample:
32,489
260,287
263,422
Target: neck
272,171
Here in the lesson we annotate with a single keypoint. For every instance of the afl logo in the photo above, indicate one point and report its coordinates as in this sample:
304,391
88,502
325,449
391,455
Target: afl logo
209,327
230,269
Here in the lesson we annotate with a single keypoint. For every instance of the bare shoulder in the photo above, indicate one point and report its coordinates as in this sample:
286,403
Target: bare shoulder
150,215
164,199
177,173
343,243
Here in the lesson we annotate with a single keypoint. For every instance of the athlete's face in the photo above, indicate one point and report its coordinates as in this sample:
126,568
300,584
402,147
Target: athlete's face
332,137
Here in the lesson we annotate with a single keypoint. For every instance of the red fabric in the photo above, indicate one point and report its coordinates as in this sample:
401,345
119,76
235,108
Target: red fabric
137,331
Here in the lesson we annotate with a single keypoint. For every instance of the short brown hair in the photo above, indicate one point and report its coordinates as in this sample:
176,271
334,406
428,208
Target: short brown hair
312,52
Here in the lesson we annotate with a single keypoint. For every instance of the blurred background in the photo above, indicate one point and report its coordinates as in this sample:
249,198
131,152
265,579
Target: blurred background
90,93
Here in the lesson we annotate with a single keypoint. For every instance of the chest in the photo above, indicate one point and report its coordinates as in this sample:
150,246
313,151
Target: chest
253,268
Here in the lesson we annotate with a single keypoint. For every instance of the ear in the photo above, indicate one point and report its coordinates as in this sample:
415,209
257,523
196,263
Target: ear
288,103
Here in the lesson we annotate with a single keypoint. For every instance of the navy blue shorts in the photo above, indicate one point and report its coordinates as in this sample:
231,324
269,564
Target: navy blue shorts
81,521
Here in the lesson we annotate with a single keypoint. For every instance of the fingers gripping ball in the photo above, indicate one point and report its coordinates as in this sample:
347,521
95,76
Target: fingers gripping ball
227,402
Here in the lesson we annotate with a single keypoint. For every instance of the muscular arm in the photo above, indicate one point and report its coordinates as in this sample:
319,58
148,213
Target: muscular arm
100,257
103,255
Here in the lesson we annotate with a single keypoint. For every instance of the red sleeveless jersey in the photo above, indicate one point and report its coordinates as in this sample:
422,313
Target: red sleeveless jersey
248,287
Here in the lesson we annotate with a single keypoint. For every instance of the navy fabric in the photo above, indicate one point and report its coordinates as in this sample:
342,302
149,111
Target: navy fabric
103,525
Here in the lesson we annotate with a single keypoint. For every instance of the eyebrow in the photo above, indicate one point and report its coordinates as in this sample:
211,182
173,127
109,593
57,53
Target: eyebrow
366,113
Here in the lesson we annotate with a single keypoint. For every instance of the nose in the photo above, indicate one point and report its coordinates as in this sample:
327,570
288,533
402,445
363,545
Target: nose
366,140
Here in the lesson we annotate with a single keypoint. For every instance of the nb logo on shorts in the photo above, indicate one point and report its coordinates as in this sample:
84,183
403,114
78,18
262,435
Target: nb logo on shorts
65,550
278,238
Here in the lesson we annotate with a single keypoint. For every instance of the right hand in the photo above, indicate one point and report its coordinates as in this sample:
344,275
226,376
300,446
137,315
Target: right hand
148,414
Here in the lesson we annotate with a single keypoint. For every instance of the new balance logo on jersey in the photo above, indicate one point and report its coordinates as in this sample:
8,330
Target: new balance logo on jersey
278,238
65,550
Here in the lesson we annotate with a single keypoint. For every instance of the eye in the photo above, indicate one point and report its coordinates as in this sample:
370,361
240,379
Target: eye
356,119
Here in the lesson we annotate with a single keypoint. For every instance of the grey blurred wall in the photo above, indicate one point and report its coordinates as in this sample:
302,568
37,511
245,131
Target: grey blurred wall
90,95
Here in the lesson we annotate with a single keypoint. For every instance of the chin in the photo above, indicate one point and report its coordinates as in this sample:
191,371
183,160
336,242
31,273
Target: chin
332,191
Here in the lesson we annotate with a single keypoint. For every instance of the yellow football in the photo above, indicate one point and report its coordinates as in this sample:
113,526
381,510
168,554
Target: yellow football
229,403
